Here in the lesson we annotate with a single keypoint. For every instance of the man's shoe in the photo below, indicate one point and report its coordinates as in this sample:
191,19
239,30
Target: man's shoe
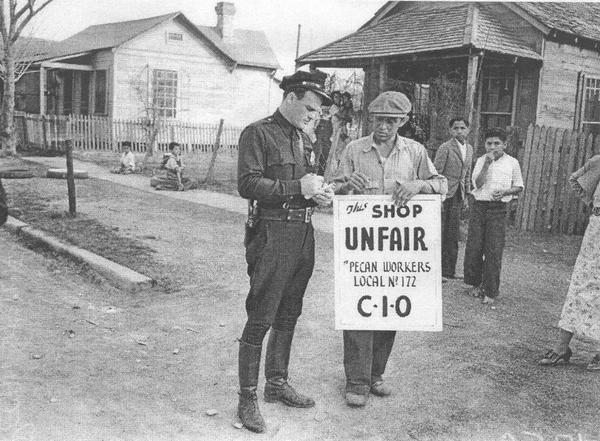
444,279
354,399
475,291
487,300
282,391
553,358
380,389
249,413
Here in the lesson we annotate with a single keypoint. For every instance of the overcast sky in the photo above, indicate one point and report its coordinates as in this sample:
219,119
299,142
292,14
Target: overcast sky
322,20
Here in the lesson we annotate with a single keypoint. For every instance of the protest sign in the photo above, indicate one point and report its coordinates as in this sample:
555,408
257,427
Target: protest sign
387,263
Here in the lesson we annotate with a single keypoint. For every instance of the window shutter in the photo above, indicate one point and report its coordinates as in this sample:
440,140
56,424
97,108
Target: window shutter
579,100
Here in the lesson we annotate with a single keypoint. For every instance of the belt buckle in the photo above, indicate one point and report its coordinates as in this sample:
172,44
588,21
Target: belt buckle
307,214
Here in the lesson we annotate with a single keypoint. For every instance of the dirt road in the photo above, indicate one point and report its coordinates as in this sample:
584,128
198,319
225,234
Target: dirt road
148,366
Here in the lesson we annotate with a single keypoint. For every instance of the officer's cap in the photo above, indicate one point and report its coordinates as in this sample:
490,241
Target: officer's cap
390,103
313,81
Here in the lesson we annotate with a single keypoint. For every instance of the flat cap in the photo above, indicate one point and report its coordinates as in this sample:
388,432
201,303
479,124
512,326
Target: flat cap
313,81
390,104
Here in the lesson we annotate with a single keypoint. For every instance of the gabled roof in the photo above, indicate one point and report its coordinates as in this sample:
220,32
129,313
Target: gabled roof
495,36
417,30
249,48
577,18
405,33
111,35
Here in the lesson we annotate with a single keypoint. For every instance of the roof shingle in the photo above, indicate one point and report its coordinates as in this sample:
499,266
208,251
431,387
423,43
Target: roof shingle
405,33
417,30
494,36
577,18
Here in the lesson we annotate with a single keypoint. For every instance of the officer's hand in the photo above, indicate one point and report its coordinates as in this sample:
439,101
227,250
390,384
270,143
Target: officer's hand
404,192
357,182
310,184
323,198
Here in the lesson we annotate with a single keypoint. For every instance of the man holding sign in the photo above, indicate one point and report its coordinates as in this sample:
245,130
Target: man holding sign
381,163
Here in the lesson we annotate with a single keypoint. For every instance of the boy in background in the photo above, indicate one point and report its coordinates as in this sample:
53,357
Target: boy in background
453,160
496,180
127,162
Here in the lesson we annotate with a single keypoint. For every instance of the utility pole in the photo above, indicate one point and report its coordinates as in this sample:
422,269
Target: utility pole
298,41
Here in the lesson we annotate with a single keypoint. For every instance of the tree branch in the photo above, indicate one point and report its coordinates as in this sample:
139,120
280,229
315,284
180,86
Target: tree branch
32,13
3,27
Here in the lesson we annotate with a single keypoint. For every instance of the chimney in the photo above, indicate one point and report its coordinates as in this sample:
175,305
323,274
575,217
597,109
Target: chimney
225,12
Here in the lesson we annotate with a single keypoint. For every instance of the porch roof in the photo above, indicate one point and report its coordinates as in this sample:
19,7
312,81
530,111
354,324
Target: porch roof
421,30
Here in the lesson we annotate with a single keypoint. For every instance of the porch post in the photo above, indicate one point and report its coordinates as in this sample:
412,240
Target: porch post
383,74
472,70
42,90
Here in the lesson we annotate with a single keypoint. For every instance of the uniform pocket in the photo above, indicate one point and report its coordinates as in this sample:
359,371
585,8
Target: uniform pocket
280,164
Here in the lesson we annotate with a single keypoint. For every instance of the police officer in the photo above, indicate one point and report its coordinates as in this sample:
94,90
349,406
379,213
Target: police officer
381,163
273,171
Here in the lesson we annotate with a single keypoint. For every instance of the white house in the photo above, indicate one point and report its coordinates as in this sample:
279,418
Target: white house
184,71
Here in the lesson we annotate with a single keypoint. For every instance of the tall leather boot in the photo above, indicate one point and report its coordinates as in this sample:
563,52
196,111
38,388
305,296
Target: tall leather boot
276,371
248,368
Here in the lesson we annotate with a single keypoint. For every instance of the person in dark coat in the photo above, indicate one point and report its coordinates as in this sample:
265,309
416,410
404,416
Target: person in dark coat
274,175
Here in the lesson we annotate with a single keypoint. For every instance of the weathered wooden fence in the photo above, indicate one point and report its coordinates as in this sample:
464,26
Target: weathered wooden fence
104,134
547,203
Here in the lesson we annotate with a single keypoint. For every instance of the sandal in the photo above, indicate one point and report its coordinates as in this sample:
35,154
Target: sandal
552,358
594,365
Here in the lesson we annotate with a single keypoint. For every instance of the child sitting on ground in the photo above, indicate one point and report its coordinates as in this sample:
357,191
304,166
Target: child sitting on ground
127,162
173,178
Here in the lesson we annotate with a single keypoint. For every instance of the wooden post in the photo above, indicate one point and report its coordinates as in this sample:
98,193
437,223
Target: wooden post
44,132
71,179
210,175
42,91
472,70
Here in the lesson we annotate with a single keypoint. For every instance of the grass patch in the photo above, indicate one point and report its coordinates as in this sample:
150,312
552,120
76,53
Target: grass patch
34,201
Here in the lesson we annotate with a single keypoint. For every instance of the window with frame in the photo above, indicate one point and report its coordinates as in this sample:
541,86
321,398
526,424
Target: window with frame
590,121
164,92
100,92
497,91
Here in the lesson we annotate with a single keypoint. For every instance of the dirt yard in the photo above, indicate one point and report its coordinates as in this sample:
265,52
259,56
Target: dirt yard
81,360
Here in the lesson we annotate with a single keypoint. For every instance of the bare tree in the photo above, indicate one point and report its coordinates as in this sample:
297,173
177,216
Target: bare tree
15,15
152,118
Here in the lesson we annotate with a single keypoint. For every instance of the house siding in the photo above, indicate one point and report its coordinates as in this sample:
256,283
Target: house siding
208,87
558,84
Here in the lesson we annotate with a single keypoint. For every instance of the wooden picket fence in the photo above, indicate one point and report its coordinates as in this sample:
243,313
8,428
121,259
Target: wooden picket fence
547,203
94,133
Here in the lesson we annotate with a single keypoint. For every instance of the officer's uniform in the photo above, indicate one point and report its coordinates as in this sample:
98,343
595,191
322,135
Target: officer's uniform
273,157
280,252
